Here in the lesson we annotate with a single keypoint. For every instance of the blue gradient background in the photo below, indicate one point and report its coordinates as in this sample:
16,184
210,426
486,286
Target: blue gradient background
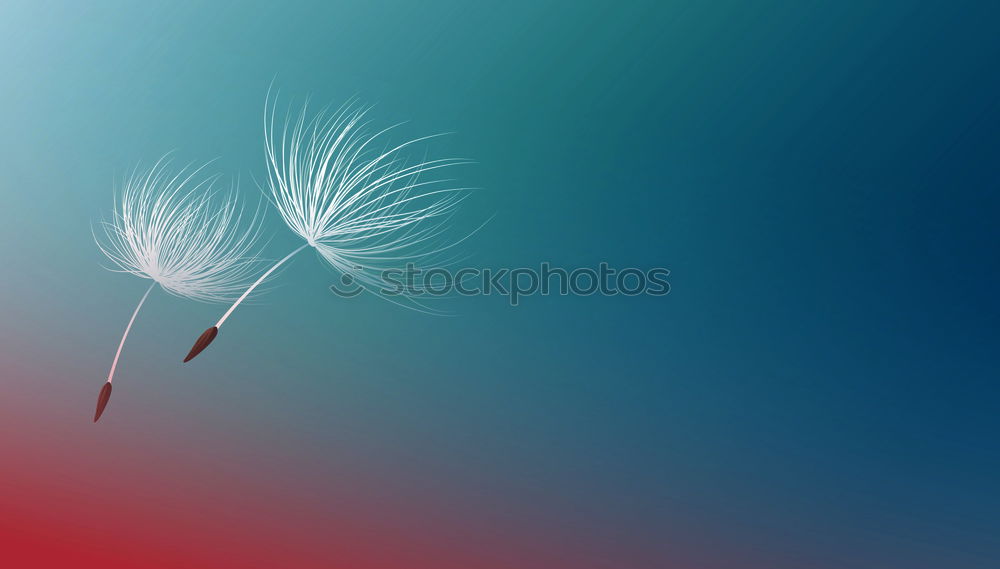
818,390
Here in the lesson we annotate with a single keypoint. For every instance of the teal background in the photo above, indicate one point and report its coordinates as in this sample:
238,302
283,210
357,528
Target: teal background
818,389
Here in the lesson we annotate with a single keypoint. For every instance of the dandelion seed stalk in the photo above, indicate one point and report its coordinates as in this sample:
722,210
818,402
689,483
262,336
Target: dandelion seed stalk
105,394
256,283
209,335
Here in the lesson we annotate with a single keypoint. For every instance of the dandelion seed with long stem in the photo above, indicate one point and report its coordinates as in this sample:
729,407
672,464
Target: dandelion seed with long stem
179,231
358,201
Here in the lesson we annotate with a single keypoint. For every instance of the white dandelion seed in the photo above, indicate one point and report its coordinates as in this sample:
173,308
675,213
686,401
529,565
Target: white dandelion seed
182,233
360,202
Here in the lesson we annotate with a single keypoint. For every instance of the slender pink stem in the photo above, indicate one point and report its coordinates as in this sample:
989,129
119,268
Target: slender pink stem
121,344
254,285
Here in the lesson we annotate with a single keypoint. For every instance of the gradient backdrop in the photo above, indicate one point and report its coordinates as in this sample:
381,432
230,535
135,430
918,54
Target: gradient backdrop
818,390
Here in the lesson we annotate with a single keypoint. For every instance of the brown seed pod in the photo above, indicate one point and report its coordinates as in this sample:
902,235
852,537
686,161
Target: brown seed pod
203,341
102,400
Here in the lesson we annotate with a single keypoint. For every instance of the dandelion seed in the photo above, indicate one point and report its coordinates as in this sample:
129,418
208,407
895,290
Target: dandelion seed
356,200
180,232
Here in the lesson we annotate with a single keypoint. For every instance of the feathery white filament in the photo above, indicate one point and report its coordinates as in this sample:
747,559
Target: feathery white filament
180,231
358,201
363,209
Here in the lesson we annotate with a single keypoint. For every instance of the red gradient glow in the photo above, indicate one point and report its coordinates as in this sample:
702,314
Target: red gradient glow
161,494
